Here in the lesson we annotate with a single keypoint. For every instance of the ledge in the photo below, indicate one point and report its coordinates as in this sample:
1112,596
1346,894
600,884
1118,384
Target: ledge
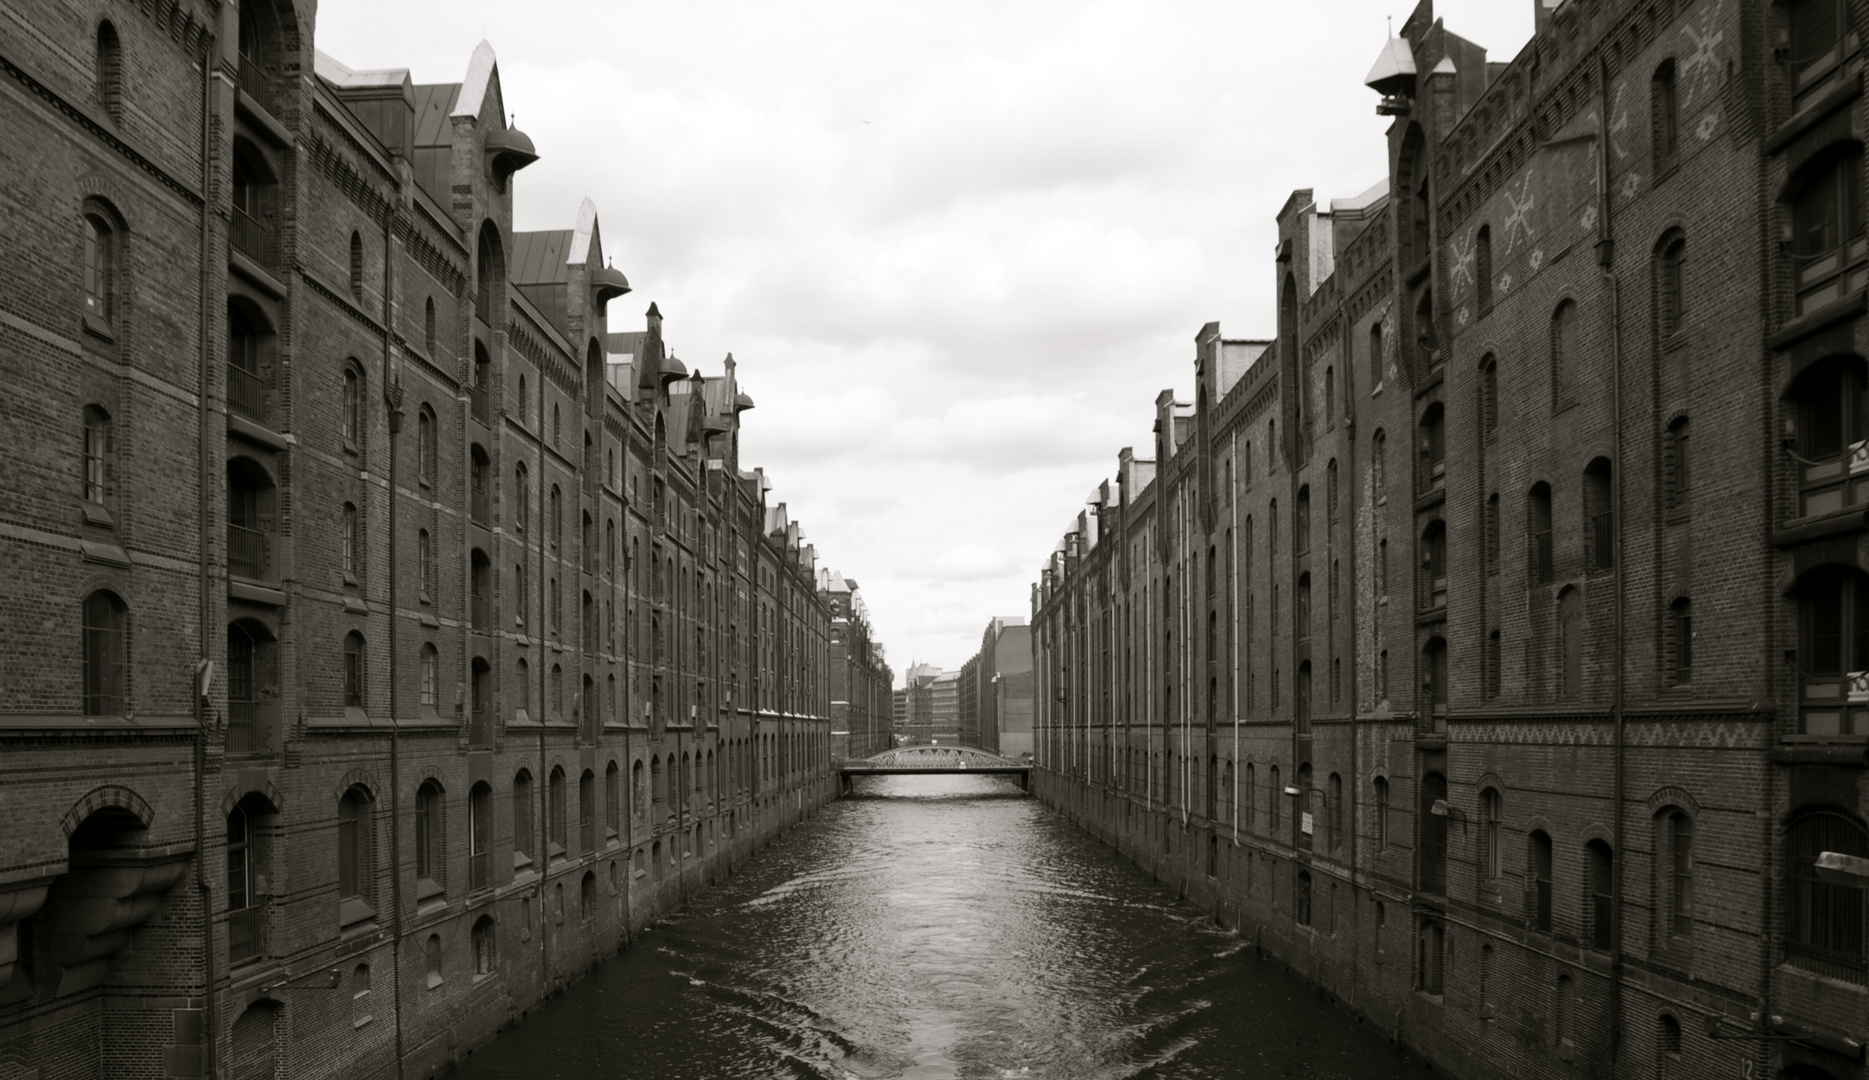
1819,107
263,279
261,117
1848,521
1823,318
108,554
254,432
255,593
1822,753
150,724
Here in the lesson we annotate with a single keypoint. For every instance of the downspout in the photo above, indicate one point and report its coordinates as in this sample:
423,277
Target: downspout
538,585
1233,622
1356,776
1605,253
202,418
392,394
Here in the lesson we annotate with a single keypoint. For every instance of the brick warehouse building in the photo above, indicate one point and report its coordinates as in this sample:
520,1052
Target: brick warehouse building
860,677
1431,652
388,636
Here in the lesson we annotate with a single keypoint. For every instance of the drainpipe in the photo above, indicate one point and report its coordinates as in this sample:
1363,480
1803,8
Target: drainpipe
1356,776
205,568
545,780
1605,253
392,395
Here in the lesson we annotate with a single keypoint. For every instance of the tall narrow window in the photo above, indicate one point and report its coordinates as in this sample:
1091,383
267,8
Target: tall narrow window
430,849
425,565
1676,464
587,810
356,266
100,270
97,453
1489,834
1599,909
1483,269
523,835
1432,439
1301,523
555,812
613,802
104,661
1563,353
353,671
1429,964
428,326
1538,888
1489,395
1538,558
1664,115
521,497
245,916
1599,516
348,547
350,409
1433,833
1434,565
429,674
425,446
555,510
1382,812
1678,886
1671,286
1680,641
109,71
355,867
1376,363
1379,463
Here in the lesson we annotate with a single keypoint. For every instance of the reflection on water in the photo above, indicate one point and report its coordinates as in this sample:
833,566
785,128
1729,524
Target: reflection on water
938,926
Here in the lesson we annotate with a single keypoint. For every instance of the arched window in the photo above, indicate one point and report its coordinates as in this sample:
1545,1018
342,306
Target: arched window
99,454
557,522
428,326
558,426
1824,928
430,845
109,71
1563,352
355,856
246,870
1483,269
350,548
350,409
1434,565
521,497
1538,887
1275,800
483,946
486,271
587,810
425,446
1432,447
525,402
1249,799
1301,906
556,837
1301,523
613,802
1670,285
1538,559
1674,871
354,690
558,686
1434,812
105,666
1301,613
1600,898
1382,812
425,565
587,896
432,952
356,266
1330,397
1429,966
1379,462
1376,362
1333,811
100,270
1434,681
1489,834
523,834
610,547
431,662
1664,116
479,836
1599,512
1667,1045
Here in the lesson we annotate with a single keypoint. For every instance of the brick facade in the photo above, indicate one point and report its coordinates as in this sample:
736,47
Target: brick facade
504,652
1430,652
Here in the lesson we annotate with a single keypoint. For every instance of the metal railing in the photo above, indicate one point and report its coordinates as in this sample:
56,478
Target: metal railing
246,393
246,933
248,730
251,237
257,84
246,551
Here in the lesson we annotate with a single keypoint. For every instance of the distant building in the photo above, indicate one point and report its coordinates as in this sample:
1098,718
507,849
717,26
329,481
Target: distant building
996,689
944,699
861,706
917,726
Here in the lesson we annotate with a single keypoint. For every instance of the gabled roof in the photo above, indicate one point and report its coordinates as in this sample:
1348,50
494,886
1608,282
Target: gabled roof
433,104
539,257
474,85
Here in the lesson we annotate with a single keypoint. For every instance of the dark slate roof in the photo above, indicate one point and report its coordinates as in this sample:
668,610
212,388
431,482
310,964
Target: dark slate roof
539,257
433,103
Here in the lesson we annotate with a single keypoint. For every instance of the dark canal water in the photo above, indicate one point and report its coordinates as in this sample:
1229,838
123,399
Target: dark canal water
938,926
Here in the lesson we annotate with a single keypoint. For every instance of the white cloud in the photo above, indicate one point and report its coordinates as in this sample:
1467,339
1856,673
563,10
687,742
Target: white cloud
956,249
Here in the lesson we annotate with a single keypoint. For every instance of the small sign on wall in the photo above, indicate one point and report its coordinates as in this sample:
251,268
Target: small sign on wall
1304,823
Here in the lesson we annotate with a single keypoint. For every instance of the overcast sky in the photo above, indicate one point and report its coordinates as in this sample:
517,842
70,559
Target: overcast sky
955,248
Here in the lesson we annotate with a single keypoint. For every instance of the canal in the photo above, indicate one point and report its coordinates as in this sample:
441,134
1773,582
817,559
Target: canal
938,926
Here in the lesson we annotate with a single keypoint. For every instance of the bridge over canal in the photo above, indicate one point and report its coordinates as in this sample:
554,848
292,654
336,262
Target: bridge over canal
926,760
